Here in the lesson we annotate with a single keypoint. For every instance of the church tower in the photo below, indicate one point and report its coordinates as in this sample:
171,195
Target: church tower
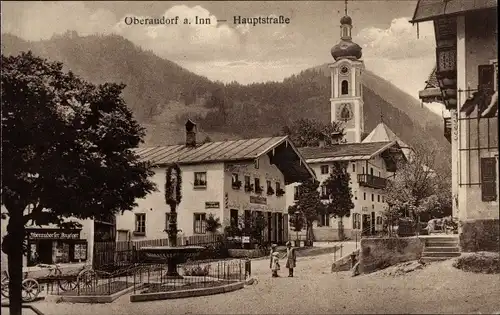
346,88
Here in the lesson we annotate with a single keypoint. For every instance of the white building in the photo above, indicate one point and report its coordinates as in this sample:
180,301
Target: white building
371,161
218,178
465,80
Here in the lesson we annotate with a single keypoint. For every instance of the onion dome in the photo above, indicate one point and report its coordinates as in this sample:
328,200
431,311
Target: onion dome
346,48
346,19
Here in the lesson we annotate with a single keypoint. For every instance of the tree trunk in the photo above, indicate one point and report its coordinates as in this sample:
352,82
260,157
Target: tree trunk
341,229
15,230
309,233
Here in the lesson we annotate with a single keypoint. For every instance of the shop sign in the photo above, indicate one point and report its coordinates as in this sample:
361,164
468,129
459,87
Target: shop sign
212,205
258,200
44,234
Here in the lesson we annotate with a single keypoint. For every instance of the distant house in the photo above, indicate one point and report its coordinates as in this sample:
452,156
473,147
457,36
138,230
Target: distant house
465,80
227,179
369,165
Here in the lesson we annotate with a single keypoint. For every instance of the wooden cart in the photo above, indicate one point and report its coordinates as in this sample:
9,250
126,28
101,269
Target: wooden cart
31,286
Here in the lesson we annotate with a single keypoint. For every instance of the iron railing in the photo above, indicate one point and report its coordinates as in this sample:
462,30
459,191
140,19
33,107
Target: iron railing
148,278
477,138
372,181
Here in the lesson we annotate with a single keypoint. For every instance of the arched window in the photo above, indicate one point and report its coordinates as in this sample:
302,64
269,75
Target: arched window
345,32
345,87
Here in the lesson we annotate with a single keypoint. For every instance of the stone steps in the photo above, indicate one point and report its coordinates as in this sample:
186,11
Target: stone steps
440,248
443,249
440,254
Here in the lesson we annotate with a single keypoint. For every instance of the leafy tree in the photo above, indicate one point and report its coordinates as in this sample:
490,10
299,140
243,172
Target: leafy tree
70,147
309,132
212,223
309,204
340,194
296,219
420,189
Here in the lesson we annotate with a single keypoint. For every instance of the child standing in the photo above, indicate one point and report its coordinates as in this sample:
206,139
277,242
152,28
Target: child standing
275,264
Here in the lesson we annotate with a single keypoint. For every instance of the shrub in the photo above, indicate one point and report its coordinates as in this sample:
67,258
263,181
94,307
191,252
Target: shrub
480,262
196,270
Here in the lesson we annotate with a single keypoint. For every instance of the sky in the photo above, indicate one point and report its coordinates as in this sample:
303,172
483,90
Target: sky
227,52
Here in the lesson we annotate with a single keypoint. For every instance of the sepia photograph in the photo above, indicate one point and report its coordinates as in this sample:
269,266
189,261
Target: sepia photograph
249,157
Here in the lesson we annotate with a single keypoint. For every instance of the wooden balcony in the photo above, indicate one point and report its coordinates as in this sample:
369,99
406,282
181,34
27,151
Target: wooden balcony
372,181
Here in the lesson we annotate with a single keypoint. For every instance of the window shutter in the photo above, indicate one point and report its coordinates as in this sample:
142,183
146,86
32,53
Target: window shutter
486,77
488,179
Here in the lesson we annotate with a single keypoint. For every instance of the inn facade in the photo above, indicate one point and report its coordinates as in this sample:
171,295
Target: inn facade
228,179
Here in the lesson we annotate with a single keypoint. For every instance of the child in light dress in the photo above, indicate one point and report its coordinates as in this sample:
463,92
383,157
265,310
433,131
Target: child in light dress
275,264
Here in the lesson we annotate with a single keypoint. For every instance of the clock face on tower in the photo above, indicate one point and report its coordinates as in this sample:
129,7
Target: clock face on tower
344,70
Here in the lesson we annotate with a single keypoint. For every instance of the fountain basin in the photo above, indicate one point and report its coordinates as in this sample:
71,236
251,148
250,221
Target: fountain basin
169,252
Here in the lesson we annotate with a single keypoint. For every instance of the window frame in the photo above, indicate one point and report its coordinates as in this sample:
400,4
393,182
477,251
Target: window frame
202,225
322,169
296,192
494,62
137,223
196,183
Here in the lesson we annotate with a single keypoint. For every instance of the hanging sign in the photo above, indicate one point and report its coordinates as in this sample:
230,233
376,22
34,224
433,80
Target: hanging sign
212,205
258,200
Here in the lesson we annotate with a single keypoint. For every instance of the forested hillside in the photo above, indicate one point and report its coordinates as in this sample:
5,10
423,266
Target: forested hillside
162,94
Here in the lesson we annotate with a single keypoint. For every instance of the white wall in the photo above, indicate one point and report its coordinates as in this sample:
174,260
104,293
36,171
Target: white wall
240,199
219,189
193,201
477,45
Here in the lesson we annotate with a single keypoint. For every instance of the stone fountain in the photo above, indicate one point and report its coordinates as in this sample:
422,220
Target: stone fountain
172,256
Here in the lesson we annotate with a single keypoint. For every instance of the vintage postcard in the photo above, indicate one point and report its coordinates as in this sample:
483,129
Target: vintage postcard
249,157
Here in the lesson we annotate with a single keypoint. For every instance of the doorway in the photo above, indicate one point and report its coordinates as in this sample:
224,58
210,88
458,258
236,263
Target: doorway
45,251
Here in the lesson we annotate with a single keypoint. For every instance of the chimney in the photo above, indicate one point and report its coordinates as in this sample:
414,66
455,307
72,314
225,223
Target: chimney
190,133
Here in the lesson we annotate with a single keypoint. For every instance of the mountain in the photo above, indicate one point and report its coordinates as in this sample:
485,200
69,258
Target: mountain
163,95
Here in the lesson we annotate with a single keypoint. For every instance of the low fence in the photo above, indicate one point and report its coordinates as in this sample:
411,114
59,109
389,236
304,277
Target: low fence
110,256
93,283
151,278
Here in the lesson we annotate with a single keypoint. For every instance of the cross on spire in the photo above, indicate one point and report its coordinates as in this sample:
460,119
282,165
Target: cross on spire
381,115
345,9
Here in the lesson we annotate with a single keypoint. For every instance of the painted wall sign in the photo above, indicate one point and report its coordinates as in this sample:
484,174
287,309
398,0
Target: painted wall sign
212,205
258,200
55,234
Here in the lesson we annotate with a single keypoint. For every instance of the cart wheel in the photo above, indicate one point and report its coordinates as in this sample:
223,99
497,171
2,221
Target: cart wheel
86,279
5,286
31,289
68,284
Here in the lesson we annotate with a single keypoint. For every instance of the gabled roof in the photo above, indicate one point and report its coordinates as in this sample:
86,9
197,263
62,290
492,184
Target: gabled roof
427,10
345,152
281,150
383,133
